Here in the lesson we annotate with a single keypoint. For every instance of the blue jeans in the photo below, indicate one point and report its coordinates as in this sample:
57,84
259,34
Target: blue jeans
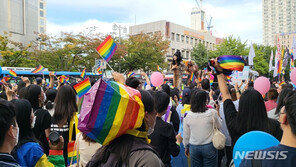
203,155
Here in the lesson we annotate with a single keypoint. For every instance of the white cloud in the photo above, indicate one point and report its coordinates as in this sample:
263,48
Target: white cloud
242,19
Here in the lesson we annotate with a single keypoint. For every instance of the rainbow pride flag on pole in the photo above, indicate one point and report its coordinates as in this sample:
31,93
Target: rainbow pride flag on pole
38,69
110,110
107,48
99,71
83,74
130,74
158,68
82,87
232,63
192,77
12,73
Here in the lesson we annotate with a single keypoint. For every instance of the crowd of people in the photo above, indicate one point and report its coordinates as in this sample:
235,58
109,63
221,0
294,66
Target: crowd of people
180,123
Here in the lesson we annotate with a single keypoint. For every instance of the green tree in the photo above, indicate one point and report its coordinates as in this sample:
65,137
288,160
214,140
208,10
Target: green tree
261,60
199,55
145,52
14,54
230,46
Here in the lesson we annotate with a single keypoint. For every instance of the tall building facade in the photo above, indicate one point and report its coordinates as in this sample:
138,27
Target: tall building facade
42,16
197,19
286,39
279,16
20,18
180,37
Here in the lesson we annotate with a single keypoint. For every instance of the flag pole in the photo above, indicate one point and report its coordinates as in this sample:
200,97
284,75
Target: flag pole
105,61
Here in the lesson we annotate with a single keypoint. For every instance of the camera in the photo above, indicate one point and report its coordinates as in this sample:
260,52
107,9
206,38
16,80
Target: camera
54,137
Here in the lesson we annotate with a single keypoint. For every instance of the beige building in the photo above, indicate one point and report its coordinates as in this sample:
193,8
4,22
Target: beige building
197,19
279,16
20,18
42,16
286,39
180,37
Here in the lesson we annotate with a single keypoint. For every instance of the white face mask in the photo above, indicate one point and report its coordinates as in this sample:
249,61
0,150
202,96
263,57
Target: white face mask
33,122
150,131
44,97
17,135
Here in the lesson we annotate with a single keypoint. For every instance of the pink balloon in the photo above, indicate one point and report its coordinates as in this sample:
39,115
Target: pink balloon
262,85
156,79
293,76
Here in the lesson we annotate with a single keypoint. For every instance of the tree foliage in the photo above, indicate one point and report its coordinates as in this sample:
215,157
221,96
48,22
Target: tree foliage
145,52
74,52
199,55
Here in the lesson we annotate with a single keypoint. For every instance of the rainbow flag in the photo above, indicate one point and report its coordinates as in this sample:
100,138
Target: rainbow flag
71,153
130,74
12,73
158,68
83,74
116,110
212,79
192,77
64,79
82,87
107,48
7,78
38,69
282,83
99,71
228,78
231,63
280,63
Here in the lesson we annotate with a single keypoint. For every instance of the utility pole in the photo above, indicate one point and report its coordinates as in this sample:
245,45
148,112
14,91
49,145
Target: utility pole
119,28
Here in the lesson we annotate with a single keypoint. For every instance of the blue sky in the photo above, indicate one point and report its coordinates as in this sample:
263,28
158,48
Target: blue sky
241,18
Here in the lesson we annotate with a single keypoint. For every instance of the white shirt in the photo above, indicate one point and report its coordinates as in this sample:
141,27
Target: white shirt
224,129
198,127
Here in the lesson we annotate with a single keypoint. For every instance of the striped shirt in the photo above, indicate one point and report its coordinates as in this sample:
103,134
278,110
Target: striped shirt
7,160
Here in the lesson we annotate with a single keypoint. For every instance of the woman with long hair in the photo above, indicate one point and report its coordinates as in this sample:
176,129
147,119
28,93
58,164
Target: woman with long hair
177,69
36,97
130,150
198,131
65,107
251,113
50,97
28,152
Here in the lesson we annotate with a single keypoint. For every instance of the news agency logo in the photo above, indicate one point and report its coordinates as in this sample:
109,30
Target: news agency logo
261,155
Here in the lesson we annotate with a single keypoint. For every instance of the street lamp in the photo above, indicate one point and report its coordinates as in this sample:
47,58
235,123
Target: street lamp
116,27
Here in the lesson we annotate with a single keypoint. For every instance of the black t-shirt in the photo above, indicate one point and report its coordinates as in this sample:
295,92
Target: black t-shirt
163,140
277,156
43,121
273,126
64,131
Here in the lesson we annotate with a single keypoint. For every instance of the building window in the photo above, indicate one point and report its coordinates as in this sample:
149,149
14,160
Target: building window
178,37
173,36
42,30
191,41
195,42
183,53
42,22
41,5
182,38
187,40
41,14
